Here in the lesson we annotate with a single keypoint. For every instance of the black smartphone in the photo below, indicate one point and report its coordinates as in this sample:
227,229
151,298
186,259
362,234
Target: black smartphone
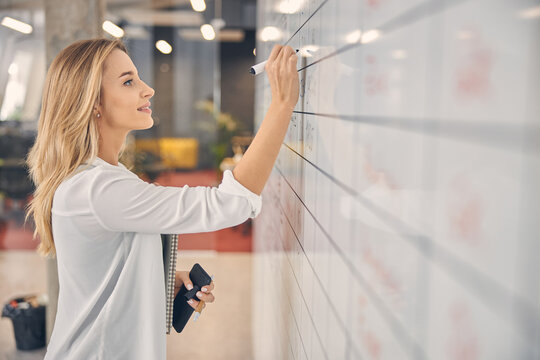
181,309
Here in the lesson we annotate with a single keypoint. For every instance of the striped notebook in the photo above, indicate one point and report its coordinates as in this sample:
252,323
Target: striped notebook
170,250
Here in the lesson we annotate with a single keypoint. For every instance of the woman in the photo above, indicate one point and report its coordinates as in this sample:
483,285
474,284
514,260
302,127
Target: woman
103,223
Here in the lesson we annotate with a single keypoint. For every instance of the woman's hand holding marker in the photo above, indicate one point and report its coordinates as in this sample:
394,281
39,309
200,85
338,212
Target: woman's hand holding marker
260,67
283,76
253,170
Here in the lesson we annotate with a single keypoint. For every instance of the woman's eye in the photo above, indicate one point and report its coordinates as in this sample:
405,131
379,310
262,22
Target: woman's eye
129,81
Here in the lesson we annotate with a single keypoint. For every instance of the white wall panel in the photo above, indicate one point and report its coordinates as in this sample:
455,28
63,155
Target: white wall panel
401,218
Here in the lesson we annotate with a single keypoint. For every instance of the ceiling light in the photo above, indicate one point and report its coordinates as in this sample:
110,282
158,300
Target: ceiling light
16,25
198,5
208,32
112,29
163,46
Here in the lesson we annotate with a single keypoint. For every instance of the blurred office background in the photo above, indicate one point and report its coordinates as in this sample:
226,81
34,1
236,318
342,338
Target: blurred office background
203,113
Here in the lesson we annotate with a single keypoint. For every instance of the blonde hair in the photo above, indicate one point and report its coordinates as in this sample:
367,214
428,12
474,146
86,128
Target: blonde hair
68,134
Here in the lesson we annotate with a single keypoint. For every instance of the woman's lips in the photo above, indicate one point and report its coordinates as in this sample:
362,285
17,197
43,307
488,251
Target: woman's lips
145,109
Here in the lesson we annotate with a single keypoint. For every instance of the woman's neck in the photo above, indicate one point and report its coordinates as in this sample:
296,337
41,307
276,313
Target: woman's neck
110,145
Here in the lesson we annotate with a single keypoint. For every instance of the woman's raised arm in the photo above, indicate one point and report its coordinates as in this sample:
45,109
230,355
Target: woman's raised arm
256,164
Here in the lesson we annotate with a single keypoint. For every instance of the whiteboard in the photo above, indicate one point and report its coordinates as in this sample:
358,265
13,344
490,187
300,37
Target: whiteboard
401,218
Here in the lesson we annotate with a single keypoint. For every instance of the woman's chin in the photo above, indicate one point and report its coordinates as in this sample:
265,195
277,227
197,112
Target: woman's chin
148,124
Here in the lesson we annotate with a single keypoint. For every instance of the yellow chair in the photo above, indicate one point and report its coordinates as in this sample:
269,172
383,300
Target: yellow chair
175,153
179,153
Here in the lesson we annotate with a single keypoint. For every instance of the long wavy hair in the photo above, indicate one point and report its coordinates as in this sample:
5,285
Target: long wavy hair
68,133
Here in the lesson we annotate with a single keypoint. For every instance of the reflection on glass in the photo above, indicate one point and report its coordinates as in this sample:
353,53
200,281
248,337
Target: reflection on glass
353,36
290,6
370,36
270,33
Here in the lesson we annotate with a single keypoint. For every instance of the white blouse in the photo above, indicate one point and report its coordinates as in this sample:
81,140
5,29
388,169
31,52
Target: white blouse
106,225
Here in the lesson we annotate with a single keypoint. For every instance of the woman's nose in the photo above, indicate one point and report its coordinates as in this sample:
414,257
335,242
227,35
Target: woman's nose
148,91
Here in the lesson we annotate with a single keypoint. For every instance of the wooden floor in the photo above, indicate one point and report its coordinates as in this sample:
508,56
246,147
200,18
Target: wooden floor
222,332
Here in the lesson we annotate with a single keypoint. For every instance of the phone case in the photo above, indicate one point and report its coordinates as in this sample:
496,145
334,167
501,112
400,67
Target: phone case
181,309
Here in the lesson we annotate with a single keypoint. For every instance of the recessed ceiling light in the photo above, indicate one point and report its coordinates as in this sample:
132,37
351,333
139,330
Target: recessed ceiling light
112,29
164,47
17,25
208,32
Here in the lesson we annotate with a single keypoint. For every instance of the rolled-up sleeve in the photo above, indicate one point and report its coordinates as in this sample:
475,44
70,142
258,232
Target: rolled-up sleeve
122,202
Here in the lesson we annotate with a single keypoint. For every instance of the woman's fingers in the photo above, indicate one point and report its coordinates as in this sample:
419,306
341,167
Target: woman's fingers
293,60
209,297
287,52
182,277
283,75
284,54
278,58
279,61
273,55
208,288
194,303
206,297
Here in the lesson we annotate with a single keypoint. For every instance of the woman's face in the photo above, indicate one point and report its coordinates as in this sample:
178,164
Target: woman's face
124,102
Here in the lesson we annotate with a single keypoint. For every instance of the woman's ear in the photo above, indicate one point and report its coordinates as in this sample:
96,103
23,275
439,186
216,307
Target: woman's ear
97,111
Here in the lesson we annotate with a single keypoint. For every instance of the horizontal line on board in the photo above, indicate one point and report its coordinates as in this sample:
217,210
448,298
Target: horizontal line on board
346,188
492,134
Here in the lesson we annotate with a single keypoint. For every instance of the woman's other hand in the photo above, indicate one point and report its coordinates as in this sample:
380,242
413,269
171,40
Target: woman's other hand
182,278
283,75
